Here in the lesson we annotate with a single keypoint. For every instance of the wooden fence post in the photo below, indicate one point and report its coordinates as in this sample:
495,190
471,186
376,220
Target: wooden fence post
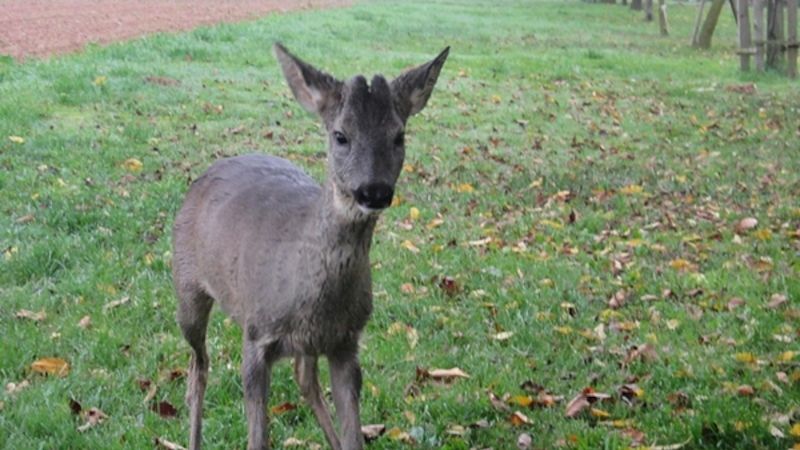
758,32
774,33
663,23
791,38
745,49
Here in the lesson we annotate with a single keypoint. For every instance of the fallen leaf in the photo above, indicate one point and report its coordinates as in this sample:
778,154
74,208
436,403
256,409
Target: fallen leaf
116,303
465,188
167,445
746,224
599,413
408,245
30,315
745,390
165,409
502,336
51,366
372,432
776,301
524,441
618,299
734,303
518,419
795,430
93,416
75,406
449,286
413,213
646,353
282,408
132,165
447,374
13,388
497,403
577,405
85,322
456,430
16,139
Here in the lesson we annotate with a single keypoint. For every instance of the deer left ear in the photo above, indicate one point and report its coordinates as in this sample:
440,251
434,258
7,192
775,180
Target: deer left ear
317,91
412,89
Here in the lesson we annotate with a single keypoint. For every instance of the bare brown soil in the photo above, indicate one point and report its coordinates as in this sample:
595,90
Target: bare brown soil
46,27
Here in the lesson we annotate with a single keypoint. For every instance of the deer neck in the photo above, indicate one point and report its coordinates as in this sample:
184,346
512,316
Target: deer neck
344,232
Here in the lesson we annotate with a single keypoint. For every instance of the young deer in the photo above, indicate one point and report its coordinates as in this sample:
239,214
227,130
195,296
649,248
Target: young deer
287,259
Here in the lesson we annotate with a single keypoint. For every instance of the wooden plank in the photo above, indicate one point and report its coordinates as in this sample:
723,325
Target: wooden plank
743,12
791,37
758,33
663,23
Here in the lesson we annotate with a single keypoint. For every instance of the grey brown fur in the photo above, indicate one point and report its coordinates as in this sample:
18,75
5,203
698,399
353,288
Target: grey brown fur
288,259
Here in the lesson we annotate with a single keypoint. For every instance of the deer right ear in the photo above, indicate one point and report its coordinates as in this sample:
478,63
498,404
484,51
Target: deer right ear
317,91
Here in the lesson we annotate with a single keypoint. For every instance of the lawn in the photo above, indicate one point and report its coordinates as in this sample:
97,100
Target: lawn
587,208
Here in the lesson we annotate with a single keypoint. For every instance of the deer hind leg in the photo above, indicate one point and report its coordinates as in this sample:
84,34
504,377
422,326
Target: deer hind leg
306,375
193,310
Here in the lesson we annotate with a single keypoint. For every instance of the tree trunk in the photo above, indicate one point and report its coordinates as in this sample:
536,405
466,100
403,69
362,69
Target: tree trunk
636,5
663,23
745,49
707,30
758,32
648,10
791,53
774,33
697,22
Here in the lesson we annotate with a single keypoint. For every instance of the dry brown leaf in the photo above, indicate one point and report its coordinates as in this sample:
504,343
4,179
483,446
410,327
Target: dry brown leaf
167,445
646,353
618,299
518,419
372,432
524,441
746,224
85,322
13,388
116,303
282,408
93,416
30,315
776,301
734,303
165,409
51,366
456,430
745,390
497,403
577,405
447,374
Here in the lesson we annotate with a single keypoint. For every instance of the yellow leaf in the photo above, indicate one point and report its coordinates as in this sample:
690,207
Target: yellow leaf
51,366
16,139
10,252
746,357
434,223
100,80
552,224
132,165
599,413
565,330
413,213
795,430
787,356
682,265
496,99
408,245
763,234
465,188
522,400
631,189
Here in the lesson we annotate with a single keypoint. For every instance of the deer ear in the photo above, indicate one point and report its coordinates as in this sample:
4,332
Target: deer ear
317,91
413,88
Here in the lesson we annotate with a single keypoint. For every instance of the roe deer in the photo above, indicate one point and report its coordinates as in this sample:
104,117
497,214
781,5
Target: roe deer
288,259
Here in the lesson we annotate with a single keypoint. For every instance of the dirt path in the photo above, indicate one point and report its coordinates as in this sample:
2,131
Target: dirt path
46,27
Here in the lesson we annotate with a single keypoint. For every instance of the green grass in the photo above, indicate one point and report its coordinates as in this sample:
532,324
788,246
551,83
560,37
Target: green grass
547,109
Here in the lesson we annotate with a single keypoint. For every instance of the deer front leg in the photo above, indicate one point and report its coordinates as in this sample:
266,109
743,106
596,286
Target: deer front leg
306,374
346,386
256,366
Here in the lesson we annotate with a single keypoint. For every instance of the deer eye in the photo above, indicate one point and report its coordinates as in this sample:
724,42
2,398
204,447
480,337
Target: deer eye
400,139
341,139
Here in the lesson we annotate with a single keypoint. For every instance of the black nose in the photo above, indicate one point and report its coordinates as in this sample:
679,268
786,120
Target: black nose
374,196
